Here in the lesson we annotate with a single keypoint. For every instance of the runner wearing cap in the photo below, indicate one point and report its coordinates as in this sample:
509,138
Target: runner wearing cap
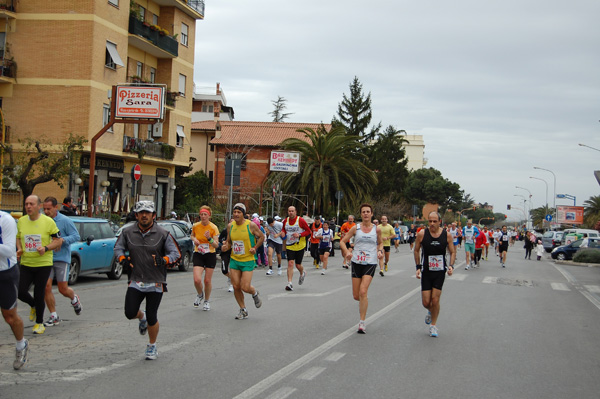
151,248
205,236
243,237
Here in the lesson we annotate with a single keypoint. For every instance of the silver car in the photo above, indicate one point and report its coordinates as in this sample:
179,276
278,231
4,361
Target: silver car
551,240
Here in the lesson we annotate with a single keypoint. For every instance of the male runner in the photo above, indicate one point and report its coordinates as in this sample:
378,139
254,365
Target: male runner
274,243
37,237
503,239
296,229
343,231
412,234
9,286
432,267
387,233
61,262
470,233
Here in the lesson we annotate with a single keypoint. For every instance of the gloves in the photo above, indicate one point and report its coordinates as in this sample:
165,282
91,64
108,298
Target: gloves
160,261
125,264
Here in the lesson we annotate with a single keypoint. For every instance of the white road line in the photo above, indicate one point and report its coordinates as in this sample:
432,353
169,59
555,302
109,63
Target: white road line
593,288
311,373
590,296
284,372
42,377
281,393
335,356
318,294
490,280
457,277
560,287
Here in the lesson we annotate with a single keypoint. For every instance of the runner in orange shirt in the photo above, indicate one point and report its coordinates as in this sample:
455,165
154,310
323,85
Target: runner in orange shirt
343,231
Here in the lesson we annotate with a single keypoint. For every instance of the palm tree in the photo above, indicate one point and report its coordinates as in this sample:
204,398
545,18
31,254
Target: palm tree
591,212
538,215
329,163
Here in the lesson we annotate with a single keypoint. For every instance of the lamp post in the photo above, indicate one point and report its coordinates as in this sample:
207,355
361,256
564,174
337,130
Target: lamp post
546,183
530,203
585,145
554,196
524,208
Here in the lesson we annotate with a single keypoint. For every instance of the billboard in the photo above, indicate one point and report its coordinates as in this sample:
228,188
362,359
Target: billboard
569,214
140,102
284,161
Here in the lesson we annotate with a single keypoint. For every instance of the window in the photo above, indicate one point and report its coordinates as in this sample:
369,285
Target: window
208,108
182,85
106,116
149,132
142,13
212,146
180,136
139,69
114,2
210,176
154,19
238,155
184,34
112,58
152,75
136,131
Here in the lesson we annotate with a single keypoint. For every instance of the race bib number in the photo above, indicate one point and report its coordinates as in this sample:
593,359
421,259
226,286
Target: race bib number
32,242
326,238
291,240
505,238
362,258
203,248
238,248
436,263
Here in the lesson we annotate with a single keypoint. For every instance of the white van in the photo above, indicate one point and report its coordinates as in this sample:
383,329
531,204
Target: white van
570,235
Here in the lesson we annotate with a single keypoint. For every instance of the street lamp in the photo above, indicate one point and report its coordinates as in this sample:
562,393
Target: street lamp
554,196
585,145
546,183
530,203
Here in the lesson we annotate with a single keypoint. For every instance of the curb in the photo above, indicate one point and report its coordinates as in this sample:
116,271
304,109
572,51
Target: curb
571,263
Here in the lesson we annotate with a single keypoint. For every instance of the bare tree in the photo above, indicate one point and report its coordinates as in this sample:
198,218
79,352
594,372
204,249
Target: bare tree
280,106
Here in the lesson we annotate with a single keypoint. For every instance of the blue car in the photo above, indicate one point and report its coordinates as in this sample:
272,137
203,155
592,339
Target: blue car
95,252
566,252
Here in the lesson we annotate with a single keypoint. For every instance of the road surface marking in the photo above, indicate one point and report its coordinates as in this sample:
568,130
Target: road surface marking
335,356
311,373
560,287
490,280
593,288
286,371
457,277
319,294
282,393
589,295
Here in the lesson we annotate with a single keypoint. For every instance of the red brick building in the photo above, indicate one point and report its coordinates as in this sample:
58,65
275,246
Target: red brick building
252,142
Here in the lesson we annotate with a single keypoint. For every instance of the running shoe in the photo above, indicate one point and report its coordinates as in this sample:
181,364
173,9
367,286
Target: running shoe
230,288
279,271
21,356
467,267
433,331
301,279
428,318
143,326
289,287
242,315
39,329
381,273
323,272
385,267
151,352
32,314
77,305
52,321
270,272
198,300
362,329
503,265
317,265
206,305
257,301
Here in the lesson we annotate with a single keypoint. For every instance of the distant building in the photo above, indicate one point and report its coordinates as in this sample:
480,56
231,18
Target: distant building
415,152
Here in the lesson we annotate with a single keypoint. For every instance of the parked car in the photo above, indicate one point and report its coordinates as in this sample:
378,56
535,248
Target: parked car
404,234
95,252
570,235
566,252
181,236
551,240
336,237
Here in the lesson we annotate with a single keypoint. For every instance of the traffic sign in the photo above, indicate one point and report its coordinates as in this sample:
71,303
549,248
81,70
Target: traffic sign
137,172
339,195
548,218
560,196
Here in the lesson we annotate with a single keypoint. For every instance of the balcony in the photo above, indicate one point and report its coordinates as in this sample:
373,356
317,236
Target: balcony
147,38
7,9
193,8
147,148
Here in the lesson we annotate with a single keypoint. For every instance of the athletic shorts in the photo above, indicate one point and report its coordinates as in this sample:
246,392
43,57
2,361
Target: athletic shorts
9,288
61,271
358,270
431,280
276,246
470,247
242,266
323,251
386,249
503,247
296,256
208,260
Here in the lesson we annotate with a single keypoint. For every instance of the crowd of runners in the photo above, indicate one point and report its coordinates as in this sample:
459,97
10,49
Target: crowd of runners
41,241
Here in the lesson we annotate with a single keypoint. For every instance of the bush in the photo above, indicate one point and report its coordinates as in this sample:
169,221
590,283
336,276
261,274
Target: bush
587,255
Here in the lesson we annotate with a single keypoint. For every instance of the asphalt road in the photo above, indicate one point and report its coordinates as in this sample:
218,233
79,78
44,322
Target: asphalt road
527,331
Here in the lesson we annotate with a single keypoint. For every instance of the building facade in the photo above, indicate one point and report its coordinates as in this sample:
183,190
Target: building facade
69,55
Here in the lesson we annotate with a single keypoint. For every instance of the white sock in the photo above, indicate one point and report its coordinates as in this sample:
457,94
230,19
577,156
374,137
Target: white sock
21,344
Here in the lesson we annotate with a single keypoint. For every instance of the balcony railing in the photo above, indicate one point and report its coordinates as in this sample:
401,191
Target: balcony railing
197,5
147,148
7,5
165,42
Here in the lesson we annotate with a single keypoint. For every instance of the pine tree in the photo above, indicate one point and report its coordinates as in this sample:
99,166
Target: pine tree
354,113
278,114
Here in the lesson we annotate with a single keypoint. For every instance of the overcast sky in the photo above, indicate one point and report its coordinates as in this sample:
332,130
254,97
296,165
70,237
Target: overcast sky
495,87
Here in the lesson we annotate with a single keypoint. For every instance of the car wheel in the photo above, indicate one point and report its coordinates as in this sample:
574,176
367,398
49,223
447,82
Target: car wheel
116,271
74,271
184,263
336,244
561,256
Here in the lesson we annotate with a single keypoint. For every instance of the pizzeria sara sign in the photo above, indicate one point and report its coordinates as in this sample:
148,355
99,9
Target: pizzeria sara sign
284,161
140,102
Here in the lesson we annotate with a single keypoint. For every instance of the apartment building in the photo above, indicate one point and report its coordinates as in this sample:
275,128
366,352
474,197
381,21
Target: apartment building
69,55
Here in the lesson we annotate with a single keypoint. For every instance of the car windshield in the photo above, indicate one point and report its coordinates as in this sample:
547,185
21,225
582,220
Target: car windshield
548,234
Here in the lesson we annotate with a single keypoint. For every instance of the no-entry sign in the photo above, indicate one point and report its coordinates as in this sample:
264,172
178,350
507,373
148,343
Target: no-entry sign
137,172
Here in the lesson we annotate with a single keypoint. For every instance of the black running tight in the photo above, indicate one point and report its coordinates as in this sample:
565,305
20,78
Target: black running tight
39,277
